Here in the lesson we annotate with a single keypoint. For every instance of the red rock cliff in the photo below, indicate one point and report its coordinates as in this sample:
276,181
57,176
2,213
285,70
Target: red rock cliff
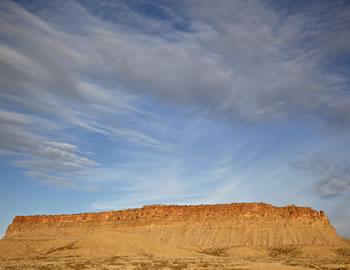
187,212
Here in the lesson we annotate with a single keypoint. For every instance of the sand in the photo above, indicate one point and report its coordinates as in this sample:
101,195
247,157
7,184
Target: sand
112,250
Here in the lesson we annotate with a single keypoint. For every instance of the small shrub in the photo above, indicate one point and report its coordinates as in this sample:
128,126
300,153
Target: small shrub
66,247
215,252
284,252
344,252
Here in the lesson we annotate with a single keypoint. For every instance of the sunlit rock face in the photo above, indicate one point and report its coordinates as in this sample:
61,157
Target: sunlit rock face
247,224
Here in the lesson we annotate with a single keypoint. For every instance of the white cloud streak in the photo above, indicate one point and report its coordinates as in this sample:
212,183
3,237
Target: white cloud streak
49,85
242,61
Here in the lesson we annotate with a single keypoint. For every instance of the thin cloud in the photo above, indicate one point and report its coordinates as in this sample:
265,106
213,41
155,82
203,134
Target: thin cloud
49,86
33,151
240,61
333,177
252,64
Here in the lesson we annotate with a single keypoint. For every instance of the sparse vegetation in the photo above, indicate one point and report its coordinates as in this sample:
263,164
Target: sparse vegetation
220,252
344,252
157,263
285,252
65,247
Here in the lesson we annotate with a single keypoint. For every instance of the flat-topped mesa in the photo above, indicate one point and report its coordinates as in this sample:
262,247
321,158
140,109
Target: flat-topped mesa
187,212
189,225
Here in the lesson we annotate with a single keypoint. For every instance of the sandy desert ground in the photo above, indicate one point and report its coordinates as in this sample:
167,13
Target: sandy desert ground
45,255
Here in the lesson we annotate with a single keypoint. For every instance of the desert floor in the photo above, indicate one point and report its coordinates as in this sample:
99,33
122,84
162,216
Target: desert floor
240,258
144,262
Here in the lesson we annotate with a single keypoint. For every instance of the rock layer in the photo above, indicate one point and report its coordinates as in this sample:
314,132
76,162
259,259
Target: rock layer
195,226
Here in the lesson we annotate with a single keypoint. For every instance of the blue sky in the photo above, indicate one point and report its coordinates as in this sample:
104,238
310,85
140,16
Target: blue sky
117,104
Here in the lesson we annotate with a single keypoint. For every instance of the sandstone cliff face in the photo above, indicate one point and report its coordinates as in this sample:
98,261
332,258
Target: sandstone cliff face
190,226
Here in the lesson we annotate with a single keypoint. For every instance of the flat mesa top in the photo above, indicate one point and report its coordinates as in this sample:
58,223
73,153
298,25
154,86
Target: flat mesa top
246,209
233,206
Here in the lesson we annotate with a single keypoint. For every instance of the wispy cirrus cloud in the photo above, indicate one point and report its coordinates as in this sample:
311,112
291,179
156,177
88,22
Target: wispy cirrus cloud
242,61
48,86
77,65
252,64
22,139
333,176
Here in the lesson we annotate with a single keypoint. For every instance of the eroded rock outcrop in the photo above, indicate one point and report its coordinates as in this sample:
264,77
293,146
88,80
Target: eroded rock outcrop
190,226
